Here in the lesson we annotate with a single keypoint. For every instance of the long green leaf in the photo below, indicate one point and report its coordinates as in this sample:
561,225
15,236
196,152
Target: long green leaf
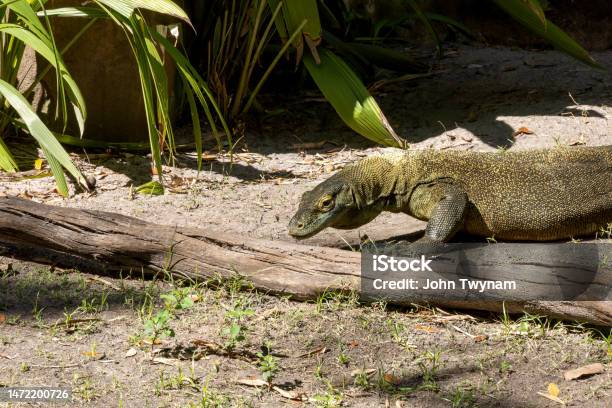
350,98
53,149
45,49
126,7
530,14
295,12
195,81
7,161
42,41
90,12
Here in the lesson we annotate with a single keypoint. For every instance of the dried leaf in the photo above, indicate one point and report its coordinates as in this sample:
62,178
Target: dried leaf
583,371
166,361
391,379
550,397
578,142
552,393
522,131
480,337
292,395
359,371
252,382
427,329
131,352
318,350
553,389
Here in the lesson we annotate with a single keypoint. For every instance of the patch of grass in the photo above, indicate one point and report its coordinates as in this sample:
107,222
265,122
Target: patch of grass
84,388
605,232
362,380
210,398
37,312
343,358
95,304
429,364
331,398
396,331
462,398
505,367
336,300
177,381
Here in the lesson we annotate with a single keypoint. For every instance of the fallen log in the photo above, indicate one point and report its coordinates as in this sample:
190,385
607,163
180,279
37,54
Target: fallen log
108,243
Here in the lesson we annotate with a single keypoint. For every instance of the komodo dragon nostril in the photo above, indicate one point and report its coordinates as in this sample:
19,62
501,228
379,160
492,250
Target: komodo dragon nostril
300,225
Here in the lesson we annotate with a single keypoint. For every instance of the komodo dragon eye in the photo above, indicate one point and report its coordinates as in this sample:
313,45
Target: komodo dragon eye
326,203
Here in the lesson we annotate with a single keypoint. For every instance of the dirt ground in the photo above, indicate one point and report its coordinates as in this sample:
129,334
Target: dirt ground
157,343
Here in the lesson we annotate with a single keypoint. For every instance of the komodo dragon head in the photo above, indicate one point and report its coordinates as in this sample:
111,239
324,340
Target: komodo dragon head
332,203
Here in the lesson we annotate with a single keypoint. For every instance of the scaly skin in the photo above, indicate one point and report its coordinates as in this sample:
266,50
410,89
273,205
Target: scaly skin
539,195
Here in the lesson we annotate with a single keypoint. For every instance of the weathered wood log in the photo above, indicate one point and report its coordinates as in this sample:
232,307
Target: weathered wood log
108,243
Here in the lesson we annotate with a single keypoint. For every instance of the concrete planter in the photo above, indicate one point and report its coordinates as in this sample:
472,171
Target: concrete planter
104,67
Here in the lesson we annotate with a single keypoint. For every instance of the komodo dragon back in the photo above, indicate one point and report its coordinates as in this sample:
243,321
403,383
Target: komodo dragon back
528,195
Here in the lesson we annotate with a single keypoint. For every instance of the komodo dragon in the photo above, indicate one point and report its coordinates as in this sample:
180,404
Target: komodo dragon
538,195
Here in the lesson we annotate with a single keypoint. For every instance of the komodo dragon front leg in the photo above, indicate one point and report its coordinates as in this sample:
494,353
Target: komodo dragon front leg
441,203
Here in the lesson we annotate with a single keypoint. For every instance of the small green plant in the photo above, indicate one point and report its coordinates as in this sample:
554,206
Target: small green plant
178,299
343,358
462,398
397,330
210,398
84,388
429,363
606,232
37,311
178,381
158,326
361,380
505,367
236,331
268,364
318,371
332,398
94,305
335,300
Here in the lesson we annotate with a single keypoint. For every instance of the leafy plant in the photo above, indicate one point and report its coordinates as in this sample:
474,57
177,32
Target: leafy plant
268,364
27,23
158,326
531,14
429,364
240,31
178,299
146,42
236,332
21,26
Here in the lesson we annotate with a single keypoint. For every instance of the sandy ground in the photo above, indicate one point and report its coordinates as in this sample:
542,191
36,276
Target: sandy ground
333,352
